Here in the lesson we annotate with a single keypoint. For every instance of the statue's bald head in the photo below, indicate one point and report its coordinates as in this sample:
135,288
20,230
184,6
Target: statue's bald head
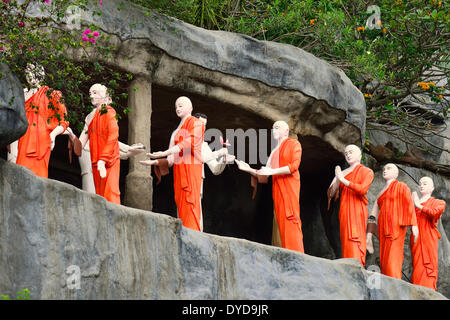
280,129
426,186
352,154
185,101
183,107
390,171
99,95
99,89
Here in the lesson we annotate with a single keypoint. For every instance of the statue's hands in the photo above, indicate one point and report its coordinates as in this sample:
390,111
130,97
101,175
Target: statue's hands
135,149
229,158
369,243
264,171
52,139
223,152
243,165
338,173
416,199
149,163
101,168
69,132
415,232
158,154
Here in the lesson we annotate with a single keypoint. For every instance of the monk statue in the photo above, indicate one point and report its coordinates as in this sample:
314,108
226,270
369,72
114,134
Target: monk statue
216,161
394,209
102,132
282,165
184,154
84,159
46,116
353,183
425,250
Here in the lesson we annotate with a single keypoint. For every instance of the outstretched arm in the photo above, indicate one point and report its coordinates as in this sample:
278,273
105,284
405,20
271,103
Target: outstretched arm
243,166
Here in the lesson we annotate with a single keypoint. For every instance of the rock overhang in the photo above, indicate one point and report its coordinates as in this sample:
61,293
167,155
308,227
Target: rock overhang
276,66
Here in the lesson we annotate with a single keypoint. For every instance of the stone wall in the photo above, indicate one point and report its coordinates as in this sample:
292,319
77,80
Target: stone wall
47,226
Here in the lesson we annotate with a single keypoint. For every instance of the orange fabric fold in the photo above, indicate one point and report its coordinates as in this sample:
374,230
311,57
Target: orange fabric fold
103,134
396,213
286,194
353,213
187,172
425,250
44,114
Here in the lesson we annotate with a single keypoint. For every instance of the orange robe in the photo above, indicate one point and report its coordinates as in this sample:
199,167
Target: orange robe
286,194
44,114
187,172
103,134
425,250
396,213
353,213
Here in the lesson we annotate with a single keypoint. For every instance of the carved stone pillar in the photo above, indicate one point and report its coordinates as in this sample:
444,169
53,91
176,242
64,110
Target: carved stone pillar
138,188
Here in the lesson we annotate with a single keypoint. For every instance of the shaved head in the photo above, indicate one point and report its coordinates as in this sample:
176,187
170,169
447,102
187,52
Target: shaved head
280,129
99,88
390,171
426,185
99,94
352,154
185,101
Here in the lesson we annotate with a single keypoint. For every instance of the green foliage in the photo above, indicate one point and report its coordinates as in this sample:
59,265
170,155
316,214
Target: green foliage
394,53
24,294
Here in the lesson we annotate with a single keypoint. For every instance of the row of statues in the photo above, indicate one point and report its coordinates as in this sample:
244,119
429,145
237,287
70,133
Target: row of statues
396,207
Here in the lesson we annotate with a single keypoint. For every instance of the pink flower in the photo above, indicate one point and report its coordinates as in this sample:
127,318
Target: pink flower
95,34
21,24
1,48
87,31
47,1
6,1
85,39
31,49
101,2
93,41
20,46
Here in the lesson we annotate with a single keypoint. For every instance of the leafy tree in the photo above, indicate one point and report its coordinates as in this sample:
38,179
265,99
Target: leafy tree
388,52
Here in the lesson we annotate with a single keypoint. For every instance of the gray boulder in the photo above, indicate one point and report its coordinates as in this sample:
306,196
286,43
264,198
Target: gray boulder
13,120
63,243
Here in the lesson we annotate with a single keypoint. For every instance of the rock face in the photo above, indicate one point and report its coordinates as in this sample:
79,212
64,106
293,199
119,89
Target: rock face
51,232
13,121
411,176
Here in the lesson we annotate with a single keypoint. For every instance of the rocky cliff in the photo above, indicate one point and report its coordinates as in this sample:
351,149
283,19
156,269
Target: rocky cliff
49,230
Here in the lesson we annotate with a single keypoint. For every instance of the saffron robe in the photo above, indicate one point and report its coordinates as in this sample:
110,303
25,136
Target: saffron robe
353,213
425,250
187,172
396,213
44,114
103,134
286,194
